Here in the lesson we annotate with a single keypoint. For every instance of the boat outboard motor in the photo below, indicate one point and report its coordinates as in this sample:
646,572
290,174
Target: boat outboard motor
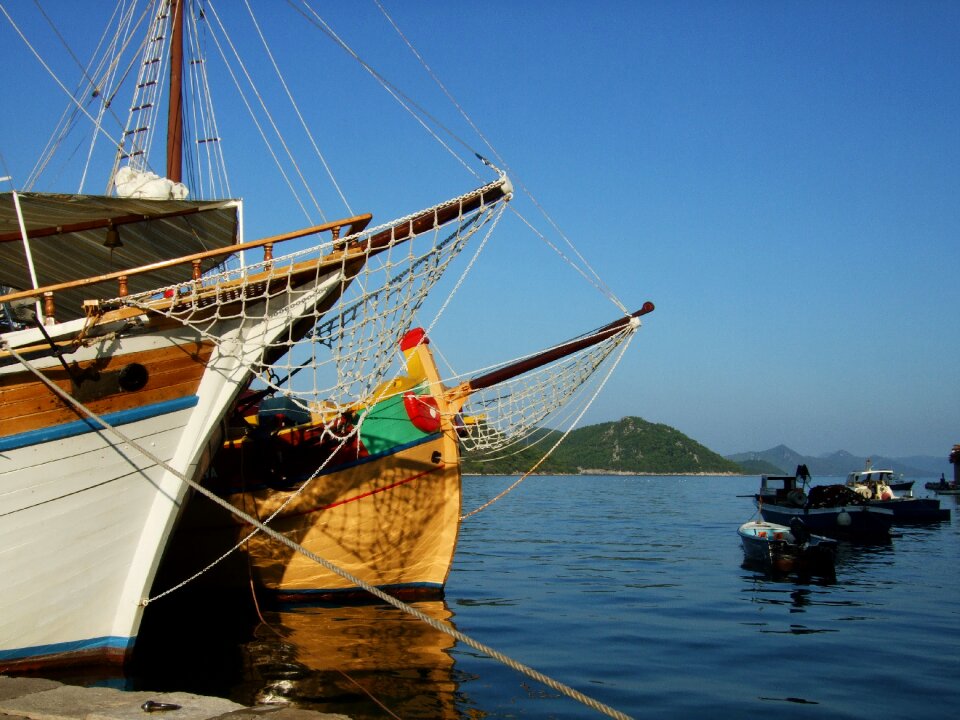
799,530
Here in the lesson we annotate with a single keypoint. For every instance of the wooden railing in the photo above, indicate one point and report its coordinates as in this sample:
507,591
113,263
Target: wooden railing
356,224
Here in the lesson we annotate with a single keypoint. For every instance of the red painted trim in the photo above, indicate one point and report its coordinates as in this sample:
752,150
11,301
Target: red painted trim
392,486
423,411
414,337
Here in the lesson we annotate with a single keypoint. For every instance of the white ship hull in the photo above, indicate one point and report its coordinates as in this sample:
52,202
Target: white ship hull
85,517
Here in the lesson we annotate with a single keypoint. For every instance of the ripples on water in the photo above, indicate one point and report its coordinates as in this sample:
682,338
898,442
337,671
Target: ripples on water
631,590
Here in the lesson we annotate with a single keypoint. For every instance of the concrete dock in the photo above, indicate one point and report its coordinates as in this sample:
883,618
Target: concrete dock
39,699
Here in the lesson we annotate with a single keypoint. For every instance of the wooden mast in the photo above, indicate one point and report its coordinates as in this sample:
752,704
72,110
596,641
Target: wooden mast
174,106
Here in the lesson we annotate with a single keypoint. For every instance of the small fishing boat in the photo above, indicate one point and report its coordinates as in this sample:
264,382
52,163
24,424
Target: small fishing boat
944,486
834,511
871,476
779,548
901,485
877,489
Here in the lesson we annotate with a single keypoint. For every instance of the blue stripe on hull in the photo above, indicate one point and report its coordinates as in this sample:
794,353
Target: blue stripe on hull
111,644
86,425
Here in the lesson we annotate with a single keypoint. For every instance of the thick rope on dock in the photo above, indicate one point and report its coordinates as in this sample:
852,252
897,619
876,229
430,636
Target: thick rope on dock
376,592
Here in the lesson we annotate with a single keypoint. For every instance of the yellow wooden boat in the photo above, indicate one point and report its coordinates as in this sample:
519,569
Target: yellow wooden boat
373,489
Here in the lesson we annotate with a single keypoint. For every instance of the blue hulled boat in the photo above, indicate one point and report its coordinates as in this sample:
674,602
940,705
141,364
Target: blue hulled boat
781,549
878,487
835,511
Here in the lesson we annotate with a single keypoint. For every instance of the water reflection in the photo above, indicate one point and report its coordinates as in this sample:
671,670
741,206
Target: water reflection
761,570
366,661
797,592
853,555
859,567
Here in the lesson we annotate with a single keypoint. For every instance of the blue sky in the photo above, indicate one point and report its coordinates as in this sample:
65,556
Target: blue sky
781,179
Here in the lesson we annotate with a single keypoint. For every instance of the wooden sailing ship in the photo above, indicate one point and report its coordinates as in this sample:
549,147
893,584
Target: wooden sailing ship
130,325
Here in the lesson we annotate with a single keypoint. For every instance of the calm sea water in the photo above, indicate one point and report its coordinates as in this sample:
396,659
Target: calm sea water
632,591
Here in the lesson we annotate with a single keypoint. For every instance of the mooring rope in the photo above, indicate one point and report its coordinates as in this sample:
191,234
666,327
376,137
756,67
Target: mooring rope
323,562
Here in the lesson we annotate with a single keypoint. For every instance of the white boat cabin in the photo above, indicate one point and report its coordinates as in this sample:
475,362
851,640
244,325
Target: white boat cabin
872,476
872,484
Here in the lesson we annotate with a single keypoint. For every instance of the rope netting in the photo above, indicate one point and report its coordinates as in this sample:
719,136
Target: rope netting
325,342
511,414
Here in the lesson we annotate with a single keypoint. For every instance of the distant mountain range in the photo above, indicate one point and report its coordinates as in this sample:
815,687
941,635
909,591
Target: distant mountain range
782,459
633,445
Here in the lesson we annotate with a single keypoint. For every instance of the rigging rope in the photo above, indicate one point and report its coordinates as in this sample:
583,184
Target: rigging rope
97,126
594,277
218,184
404,100
268,114
303,122
250,111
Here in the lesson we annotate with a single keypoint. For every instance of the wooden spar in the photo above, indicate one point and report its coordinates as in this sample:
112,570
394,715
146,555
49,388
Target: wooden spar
547,356
357,253
435,218
175,102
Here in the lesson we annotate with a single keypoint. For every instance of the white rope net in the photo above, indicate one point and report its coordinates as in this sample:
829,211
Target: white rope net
510,415
328,341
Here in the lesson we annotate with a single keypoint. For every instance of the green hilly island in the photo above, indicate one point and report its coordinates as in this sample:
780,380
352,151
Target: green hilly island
629,446
634,446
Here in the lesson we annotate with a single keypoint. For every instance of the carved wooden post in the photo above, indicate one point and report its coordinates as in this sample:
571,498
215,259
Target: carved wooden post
49,308
124,288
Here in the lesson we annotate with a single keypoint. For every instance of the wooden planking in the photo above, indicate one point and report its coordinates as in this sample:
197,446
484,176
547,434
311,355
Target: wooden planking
174,372
160,362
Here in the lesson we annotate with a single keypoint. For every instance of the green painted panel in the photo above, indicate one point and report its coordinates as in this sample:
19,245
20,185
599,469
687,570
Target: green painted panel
387,425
